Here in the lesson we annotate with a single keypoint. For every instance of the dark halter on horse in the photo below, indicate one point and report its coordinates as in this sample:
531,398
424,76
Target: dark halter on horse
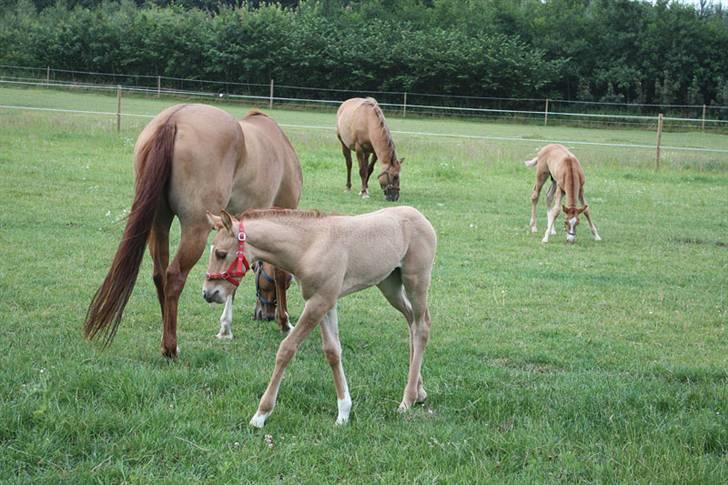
235,270
259,271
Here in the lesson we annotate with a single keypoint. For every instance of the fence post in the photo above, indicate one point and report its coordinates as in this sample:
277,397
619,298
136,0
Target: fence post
703,123
159,86
404,106
546,113
48,75
660,122
270,102
118,109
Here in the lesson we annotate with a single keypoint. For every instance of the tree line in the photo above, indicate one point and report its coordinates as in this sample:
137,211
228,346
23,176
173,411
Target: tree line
662,52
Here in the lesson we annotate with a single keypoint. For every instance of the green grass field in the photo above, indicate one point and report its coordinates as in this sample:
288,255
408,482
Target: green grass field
598,362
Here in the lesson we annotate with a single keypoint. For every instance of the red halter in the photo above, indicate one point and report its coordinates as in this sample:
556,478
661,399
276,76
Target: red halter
235,270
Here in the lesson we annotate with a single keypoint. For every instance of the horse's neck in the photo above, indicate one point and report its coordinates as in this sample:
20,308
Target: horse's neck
382,143
571,182
279,241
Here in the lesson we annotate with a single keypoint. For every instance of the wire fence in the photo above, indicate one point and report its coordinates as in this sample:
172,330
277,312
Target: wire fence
684,146
710,118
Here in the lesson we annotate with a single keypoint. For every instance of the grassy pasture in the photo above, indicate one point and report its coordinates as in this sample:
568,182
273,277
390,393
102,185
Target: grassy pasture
594,362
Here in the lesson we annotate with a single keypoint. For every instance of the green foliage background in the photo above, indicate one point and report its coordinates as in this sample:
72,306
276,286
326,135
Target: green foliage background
607,50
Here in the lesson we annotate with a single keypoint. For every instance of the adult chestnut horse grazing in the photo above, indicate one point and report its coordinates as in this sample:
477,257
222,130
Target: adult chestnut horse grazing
188,160
332,256
567,177
360,126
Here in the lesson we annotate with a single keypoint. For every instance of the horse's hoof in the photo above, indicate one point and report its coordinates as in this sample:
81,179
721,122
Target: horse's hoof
365,196
545,240
258,421
170,354
224,336
597,238
534,229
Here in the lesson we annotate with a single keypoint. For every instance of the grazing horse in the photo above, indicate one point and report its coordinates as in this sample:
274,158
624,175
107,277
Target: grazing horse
360,126
333,256
265,290
190,159
567,177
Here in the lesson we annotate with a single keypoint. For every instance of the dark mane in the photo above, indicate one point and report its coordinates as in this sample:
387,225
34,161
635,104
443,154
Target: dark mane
278,212
383,128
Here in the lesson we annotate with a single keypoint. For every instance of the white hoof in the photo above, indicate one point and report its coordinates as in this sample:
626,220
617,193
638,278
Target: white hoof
258,421
344,410
224,336
364,196
597,238
534,229
553,231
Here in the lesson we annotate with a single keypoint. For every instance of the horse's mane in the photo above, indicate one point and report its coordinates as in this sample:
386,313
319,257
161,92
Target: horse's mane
255,112
279,212
383,128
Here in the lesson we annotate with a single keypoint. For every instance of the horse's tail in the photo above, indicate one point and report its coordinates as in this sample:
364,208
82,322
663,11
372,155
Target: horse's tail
531,163
154,169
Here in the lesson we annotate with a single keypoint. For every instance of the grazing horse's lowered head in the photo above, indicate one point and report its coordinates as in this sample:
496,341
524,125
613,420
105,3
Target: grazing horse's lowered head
389,180
265,290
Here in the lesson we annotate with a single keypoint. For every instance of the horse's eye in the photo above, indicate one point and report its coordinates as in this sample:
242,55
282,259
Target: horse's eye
219,254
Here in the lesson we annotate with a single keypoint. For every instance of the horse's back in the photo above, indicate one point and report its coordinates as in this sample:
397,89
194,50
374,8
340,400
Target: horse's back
270,174
207,148
559,160
353,119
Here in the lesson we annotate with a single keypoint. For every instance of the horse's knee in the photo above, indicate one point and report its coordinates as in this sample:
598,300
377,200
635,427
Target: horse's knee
333,355
285,353
534,196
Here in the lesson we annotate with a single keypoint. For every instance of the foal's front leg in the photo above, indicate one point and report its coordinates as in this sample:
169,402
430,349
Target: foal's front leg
313,312
332,350
226,319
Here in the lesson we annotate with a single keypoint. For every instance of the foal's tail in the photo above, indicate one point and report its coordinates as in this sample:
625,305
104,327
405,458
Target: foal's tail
531,163
107,306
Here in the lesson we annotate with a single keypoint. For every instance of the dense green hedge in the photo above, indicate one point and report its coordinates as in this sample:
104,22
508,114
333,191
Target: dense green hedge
611,50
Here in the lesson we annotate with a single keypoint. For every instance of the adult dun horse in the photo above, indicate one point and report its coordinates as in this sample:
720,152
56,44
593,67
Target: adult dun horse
360,126
332,256
190,159
567,177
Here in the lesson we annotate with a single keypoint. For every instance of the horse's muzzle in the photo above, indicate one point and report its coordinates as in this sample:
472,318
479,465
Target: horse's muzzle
212,296
391,195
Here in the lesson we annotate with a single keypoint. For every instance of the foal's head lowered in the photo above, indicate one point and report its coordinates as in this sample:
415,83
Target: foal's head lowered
571,220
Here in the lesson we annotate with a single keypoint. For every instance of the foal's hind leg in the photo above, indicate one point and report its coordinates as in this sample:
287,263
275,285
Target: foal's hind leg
191,246
541,178
393,290
553,213
416,286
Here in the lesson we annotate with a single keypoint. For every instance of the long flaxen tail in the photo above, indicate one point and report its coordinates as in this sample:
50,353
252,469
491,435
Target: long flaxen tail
531,163
107,306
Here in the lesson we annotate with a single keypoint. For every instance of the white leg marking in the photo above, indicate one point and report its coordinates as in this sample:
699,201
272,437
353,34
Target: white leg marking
258,421
344,409
226,320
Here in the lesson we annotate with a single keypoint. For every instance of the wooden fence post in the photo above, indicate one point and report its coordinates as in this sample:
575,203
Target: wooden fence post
660,122
703,123
159,86
404,106
270,102
118,109
48,75
546,113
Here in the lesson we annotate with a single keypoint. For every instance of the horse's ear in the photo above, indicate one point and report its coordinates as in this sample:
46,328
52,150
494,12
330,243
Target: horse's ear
401,161
215,221
583,208
227,220
563,208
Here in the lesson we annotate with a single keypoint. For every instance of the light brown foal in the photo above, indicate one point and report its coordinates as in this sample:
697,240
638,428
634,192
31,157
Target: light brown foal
567,178
332,256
